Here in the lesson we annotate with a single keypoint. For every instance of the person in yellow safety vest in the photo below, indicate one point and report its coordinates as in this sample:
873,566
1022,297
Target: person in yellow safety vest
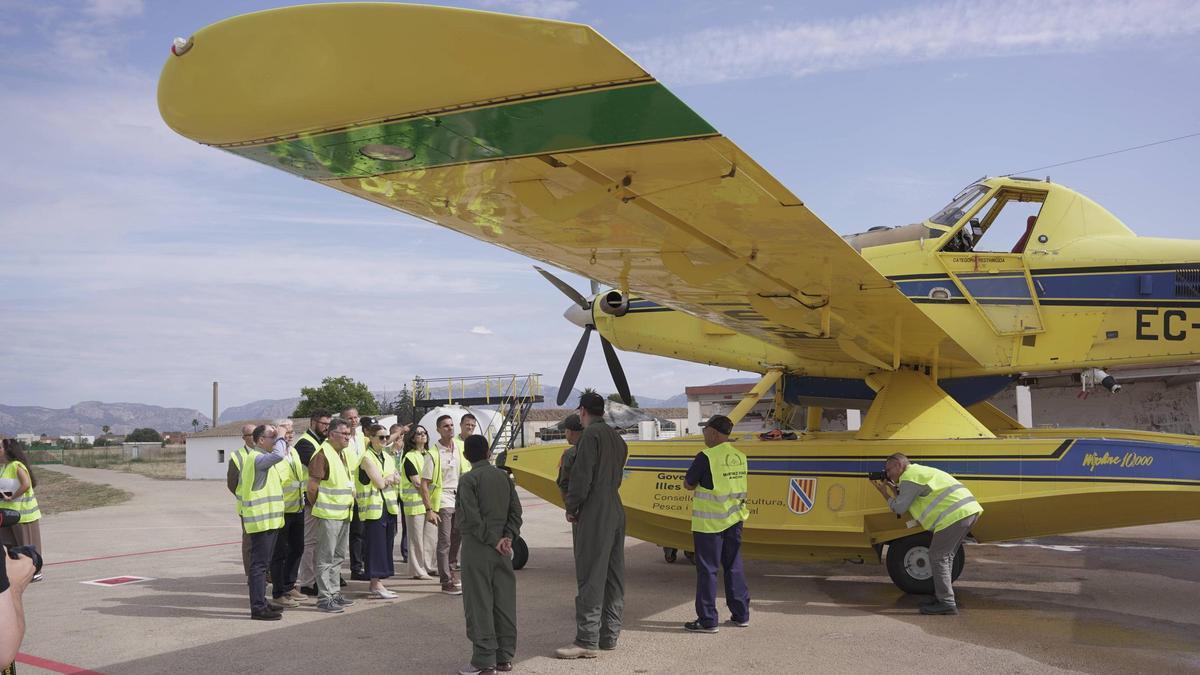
260,504
440,477
378,505
289,545
309,445
395,445
331,491
943,506
718,477
16,492
418,502
355,447
232,475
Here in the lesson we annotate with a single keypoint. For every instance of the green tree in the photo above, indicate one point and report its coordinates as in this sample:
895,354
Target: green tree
617,397
195,425
401,406
336,394
143,435
106,429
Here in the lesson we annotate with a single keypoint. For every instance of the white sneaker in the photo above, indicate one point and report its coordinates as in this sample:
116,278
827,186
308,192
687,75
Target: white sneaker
384,594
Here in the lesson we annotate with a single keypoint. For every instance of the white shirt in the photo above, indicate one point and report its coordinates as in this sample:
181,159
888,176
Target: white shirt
449,459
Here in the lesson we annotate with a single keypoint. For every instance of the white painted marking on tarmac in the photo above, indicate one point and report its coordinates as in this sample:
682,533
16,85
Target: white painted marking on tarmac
1078,548
1049,547
109,582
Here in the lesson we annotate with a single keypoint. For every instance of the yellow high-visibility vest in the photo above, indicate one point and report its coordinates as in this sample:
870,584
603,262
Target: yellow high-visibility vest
371,500
293,476
26,504
261,509
948,501
435,495
335,494
409,494
723,506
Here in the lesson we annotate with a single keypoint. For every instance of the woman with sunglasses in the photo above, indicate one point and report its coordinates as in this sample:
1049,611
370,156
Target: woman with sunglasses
378,506
422,535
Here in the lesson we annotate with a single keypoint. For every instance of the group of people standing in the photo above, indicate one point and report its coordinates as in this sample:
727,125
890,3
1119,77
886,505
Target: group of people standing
344,490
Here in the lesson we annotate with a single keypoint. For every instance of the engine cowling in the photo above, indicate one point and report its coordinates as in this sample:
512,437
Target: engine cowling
614,303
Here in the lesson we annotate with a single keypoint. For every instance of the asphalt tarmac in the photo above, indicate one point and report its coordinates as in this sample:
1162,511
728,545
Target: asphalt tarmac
1113,601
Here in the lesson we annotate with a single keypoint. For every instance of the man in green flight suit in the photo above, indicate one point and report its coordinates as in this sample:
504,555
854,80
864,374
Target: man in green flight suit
489,515
593,504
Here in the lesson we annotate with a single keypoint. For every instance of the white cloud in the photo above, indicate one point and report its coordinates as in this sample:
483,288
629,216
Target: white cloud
544,9
943,31
107,10
481,330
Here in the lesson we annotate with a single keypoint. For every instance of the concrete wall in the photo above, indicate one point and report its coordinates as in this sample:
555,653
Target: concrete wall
204,459
1148,405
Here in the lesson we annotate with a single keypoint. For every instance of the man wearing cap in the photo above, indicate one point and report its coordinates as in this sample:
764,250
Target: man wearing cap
594,506
574,429
717,478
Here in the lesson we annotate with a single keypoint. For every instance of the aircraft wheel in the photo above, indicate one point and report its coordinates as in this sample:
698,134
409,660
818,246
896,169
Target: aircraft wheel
520,553
670,554
908,564
691,557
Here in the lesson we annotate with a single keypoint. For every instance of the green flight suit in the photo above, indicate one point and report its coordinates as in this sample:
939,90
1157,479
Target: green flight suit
599,535
488,510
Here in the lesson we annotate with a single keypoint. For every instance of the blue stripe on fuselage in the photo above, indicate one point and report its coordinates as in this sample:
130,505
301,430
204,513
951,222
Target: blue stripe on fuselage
1102,459
1055,286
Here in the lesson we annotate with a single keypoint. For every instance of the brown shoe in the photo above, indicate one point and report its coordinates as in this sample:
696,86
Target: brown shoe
504,666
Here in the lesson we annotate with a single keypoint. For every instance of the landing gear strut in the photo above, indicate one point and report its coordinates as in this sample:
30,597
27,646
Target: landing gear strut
908,564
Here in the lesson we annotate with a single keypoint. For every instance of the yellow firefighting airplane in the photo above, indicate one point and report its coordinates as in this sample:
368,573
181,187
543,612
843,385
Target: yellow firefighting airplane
543,138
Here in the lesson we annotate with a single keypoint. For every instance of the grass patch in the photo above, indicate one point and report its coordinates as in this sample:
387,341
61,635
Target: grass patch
166,464
58,492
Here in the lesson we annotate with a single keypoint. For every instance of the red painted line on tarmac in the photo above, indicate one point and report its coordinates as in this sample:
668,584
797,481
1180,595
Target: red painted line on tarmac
47,664
127,555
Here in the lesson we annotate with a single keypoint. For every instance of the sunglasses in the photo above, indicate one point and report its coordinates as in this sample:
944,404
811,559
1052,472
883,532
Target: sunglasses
382,438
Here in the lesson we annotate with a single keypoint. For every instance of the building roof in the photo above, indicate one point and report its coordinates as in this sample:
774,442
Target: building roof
234,429
667,413
548,414
709,389
558,414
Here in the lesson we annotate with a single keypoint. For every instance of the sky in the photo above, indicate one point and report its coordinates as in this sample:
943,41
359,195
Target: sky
139,266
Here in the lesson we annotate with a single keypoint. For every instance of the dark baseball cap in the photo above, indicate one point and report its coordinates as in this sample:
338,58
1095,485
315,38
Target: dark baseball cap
573,423
592,402
721,423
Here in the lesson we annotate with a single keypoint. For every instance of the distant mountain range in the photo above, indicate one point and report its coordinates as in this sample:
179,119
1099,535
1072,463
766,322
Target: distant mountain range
89,417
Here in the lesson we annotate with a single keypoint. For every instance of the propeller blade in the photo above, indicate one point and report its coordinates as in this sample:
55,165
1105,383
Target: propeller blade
565,288
595,287
614,367
573,366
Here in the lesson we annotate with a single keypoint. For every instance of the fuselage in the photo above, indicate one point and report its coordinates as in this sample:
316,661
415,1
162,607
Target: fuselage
1078,289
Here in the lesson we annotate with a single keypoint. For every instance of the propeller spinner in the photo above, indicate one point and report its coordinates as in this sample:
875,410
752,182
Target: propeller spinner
580,314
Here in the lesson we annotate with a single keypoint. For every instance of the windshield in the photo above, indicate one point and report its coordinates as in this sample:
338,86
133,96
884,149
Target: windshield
961,204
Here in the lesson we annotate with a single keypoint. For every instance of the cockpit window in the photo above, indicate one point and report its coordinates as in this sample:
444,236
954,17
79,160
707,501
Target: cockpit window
959,207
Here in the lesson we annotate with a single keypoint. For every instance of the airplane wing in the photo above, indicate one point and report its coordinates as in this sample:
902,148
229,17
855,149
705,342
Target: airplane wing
543,138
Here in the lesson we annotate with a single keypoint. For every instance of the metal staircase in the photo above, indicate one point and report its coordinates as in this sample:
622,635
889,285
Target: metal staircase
513,396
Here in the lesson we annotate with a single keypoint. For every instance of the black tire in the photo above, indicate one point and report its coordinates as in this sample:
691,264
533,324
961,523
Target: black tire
670,554
520,553
691,557
908,565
